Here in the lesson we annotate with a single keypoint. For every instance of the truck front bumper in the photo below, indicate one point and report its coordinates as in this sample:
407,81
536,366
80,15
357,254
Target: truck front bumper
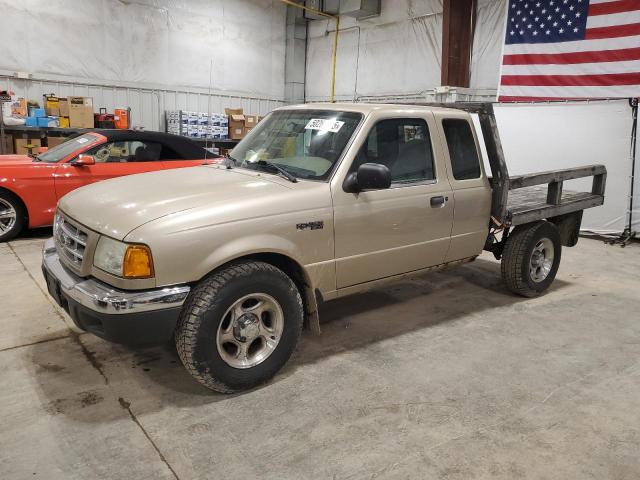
130,317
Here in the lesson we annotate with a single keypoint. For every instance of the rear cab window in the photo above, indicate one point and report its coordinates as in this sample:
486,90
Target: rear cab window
463,152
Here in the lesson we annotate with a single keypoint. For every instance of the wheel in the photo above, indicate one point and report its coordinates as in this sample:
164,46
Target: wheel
531,258
239,326
12,216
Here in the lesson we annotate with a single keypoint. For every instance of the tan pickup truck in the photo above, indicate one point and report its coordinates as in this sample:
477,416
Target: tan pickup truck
317,202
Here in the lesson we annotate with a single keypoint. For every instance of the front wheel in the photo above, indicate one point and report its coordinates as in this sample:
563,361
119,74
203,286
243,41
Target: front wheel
12,216
239,326
531,258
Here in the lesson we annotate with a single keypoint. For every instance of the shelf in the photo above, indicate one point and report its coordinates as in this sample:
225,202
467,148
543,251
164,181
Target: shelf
22,128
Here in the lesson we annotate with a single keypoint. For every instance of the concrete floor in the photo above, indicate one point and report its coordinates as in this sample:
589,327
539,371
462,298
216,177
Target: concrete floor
445,376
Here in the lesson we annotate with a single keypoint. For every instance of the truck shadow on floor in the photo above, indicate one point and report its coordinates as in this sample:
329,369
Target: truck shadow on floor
152,377
407,306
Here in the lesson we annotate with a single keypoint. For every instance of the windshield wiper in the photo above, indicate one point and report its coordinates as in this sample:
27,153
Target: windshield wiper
289,176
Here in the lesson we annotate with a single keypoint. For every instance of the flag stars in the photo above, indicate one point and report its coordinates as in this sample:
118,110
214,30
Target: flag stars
548,32
575,29
571,8
535,32
569,22
561,30
577,14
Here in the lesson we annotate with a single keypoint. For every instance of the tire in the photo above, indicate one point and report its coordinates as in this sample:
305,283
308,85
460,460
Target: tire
13,216
527,273
210,331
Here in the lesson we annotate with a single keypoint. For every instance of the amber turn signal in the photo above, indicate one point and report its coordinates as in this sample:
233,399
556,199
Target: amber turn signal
138,262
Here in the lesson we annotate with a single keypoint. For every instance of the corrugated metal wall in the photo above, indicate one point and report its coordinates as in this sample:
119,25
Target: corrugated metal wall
147,104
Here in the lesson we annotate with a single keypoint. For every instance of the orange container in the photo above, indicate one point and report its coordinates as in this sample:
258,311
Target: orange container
121,119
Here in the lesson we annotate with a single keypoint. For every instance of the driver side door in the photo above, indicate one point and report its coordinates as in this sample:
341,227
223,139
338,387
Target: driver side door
112,159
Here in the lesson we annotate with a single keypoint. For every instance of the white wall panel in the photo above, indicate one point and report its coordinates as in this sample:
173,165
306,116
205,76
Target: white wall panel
398,52
487,44
167,43
540,137
150,55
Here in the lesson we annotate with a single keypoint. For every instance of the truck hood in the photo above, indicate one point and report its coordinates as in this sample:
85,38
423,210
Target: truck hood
116,207
15,160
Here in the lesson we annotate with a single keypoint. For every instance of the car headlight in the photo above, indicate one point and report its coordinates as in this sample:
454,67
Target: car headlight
125,260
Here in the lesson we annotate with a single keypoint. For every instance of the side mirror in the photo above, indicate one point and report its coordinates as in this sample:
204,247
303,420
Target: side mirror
42,149
369,176
83,161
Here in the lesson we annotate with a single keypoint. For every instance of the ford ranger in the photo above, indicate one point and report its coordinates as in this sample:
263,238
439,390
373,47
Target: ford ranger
317,202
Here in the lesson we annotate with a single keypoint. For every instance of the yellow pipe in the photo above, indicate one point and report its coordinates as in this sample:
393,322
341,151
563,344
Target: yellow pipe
335,41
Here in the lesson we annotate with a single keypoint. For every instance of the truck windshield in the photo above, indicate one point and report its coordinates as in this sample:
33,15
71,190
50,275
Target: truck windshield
305,143
57,153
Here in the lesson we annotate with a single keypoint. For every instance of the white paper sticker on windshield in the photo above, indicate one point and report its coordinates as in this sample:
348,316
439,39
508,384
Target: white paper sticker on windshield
332,126
82,140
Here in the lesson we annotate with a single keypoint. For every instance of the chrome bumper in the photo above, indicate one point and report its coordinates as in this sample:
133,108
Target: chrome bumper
102,298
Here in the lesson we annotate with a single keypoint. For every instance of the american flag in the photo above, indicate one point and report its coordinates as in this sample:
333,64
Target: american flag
571,49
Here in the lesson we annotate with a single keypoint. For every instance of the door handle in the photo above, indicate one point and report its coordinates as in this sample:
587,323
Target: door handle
438,201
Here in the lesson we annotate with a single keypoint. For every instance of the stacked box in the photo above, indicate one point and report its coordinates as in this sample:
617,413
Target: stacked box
197,124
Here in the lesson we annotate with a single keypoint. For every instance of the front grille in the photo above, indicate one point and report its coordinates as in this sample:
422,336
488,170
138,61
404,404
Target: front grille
70,241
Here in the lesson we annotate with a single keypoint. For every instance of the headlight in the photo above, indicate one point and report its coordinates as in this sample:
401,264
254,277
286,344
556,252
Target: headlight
123,259
56,219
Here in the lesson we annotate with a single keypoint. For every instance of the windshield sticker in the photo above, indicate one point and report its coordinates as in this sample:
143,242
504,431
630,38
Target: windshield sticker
332,126
82,140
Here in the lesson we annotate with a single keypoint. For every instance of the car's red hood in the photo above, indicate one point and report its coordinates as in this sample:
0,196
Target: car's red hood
13,160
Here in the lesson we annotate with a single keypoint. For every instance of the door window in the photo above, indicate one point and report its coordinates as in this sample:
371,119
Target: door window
127,151
465,162
404,146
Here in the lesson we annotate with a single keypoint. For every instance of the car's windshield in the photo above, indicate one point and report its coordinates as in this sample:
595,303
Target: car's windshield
57,153
305,143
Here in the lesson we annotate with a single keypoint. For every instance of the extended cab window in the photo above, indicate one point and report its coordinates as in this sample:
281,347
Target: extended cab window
404,146
127,151
465,162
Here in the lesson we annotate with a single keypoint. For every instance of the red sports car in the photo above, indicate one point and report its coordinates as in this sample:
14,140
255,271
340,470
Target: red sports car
31,187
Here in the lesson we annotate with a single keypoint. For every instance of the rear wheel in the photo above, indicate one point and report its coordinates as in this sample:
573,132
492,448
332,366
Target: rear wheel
239,326
12,216
531,258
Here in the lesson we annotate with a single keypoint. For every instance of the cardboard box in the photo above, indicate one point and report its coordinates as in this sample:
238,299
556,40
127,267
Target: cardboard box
236,123
21,145
52,105
63,105
8,144
250,121
37,112
55,141
81,112
19,107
